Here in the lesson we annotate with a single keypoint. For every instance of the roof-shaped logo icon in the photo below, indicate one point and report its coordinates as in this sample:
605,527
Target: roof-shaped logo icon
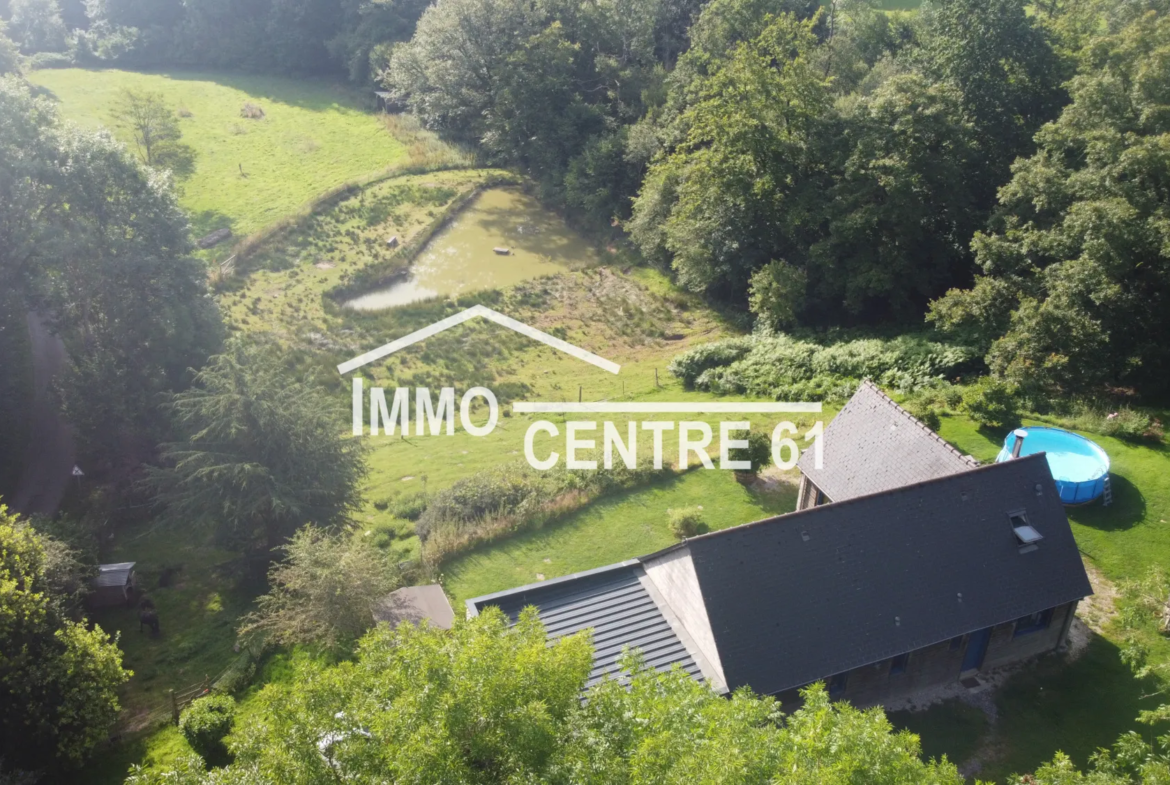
491,316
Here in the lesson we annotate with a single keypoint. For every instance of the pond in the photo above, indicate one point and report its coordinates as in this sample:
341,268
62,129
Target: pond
462,258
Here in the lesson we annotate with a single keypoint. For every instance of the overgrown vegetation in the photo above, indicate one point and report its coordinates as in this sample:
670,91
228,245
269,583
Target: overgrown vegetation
783,367
499,704
58,678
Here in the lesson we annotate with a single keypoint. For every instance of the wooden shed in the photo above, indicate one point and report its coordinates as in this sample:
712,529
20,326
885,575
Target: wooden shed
113,585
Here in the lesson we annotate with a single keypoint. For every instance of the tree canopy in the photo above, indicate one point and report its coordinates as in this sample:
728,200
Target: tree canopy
98,243
261,455
1075,268
59,679
489,703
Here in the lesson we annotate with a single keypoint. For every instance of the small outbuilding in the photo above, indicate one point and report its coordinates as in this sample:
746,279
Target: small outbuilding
113,585
415,604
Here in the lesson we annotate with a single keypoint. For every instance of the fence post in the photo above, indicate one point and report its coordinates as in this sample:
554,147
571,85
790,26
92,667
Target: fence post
174,708
579,389
655,377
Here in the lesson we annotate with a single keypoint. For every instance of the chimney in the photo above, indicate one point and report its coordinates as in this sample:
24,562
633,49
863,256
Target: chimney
1020,435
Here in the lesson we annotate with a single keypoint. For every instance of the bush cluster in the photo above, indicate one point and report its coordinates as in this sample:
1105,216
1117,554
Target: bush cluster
687,522
993,403
783,367
758,451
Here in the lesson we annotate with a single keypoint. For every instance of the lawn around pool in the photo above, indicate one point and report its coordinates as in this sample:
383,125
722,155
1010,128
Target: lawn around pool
1052,704
248,173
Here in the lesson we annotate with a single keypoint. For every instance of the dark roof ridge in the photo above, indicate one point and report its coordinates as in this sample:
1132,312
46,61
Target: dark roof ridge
840,504
966,458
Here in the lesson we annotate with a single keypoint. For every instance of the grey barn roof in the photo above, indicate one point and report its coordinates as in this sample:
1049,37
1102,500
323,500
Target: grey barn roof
873,445
614,602
803,596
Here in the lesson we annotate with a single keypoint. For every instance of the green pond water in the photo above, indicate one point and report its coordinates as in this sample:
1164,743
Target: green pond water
461,258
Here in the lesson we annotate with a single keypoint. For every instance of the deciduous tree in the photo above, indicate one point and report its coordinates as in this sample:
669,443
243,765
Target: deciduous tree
324,591
490,703
58,679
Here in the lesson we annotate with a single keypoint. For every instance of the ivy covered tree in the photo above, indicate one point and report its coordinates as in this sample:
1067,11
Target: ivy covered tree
1075,283
261,454
59,679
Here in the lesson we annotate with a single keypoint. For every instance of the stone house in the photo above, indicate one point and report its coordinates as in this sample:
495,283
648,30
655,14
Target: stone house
879,595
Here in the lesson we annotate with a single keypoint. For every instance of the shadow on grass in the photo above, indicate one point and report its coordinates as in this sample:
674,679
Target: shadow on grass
313,94
1051,705
1072,707
1128,508
205,222
952,728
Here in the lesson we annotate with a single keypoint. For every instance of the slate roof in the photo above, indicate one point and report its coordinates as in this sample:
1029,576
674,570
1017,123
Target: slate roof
803,596
873,445
613,602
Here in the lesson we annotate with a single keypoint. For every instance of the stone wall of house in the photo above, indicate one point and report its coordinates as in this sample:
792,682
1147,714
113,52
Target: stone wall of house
1004,648
941,663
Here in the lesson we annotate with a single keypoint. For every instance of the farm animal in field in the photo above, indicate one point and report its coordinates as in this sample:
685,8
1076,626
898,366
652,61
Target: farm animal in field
149,616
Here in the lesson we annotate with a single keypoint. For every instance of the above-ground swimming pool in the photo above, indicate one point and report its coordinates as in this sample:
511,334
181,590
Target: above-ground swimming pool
1079,466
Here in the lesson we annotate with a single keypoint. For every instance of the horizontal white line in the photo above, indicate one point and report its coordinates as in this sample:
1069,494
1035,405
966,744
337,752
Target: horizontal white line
601,407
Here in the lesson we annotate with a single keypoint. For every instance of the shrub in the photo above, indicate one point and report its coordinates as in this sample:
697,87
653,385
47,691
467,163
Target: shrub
758,452
689,365
992,402
410,506
205,723
44,60
687,522
1122,422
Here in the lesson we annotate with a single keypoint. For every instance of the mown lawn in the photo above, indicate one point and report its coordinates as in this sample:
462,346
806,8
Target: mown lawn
248,173
618,527
1054,704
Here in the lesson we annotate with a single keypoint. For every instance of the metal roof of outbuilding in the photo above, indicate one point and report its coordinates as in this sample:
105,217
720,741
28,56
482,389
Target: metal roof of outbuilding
114,574
614,603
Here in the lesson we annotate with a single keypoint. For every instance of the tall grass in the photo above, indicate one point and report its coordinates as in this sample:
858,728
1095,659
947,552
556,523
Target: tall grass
497,503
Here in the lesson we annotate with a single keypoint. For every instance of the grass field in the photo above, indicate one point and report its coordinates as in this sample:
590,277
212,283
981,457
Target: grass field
248,173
